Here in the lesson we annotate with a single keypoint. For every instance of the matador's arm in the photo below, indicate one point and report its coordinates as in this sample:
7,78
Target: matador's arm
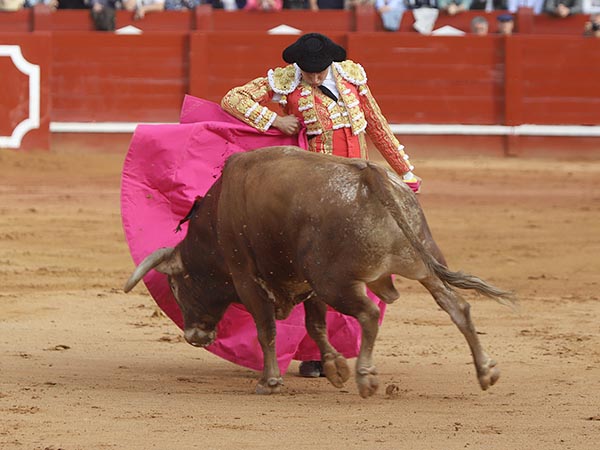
247,103
380,133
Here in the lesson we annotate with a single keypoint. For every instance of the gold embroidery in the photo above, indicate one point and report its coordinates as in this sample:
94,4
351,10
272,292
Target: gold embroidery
381,135
327,143
244,102
356,118
284,80
362,142
352,72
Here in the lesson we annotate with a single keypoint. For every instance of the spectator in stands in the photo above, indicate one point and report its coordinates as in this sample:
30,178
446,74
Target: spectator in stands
52,4
178,5
263,5
479,26
590,6
562,8
425,13
416,4
592,27
316,5
103,14
351,4
453,7
489,5
536,5
506,24
11,5
391,12
58,4
141,7
73,4
295,4
227,5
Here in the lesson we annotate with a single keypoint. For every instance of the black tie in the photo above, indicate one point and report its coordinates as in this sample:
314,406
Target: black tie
328,93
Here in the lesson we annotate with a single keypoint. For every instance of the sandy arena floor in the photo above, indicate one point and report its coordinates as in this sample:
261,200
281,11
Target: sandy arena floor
85,366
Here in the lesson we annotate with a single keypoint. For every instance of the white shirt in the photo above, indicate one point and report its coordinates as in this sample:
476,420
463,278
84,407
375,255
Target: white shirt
329,83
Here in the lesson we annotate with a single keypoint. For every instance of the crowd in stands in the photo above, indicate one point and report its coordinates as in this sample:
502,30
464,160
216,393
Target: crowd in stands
391,11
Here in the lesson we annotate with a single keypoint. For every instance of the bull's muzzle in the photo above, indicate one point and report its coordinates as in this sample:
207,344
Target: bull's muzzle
198,337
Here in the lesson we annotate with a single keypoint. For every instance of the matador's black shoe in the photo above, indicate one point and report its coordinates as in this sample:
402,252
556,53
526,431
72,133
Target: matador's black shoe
311,369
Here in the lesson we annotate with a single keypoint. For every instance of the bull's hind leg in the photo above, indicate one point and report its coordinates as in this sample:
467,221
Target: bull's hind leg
459,311
384,289
353,301
335,365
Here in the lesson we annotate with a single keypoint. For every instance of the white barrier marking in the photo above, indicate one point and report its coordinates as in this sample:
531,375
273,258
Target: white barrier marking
33,72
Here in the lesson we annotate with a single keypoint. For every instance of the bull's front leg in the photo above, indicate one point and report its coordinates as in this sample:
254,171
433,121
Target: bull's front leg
335,365
271,381
261,308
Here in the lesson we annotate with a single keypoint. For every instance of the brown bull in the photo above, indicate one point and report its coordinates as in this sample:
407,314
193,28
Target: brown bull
284,226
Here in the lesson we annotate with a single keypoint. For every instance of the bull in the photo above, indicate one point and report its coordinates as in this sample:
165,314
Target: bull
284,226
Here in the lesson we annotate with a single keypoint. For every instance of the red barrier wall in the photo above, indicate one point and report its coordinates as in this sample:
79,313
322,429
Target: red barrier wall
103,77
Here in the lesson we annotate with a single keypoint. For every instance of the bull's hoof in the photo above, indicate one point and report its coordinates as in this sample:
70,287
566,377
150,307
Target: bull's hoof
272,386
488,375
199,338
336,369
367,382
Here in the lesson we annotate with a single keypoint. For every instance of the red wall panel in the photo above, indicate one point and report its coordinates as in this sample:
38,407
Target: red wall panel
15,95
16,21
433,79
559,80
140,78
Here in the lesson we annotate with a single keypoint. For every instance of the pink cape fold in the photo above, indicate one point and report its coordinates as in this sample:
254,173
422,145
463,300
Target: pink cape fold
166,167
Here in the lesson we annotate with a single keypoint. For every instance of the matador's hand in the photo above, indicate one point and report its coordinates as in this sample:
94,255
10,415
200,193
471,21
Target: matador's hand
287,124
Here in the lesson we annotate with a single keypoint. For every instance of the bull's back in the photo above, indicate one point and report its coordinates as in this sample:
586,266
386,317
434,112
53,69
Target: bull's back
284,203
279,186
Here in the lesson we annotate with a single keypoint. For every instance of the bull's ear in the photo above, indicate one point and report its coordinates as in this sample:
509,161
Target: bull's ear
165,260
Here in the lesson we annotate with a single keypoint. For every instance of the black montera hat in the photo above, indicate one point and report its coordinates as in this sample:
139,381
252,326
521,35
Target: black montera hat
314,52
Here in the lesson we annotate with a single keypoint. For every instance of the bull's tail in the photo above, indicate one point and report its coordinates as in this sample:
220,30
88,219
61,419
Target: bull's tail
378,181
463,280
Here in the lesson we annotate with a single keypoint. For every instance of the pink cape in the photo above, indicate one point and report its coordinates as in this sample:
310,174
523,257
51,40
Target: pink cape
166,167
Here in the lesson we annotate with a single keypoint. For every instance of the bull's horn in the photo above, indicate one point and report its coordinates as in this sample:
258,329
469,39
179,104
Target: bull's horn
160,256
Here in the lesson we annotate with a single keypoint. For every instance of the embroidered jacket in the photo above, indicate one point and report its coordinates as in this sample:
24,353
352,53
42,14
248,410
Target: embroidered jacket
356,109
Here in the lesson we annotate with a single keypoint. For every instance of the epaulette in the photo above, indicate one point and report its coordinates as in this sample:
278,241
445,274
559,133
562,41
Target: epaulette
284,80
352,72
